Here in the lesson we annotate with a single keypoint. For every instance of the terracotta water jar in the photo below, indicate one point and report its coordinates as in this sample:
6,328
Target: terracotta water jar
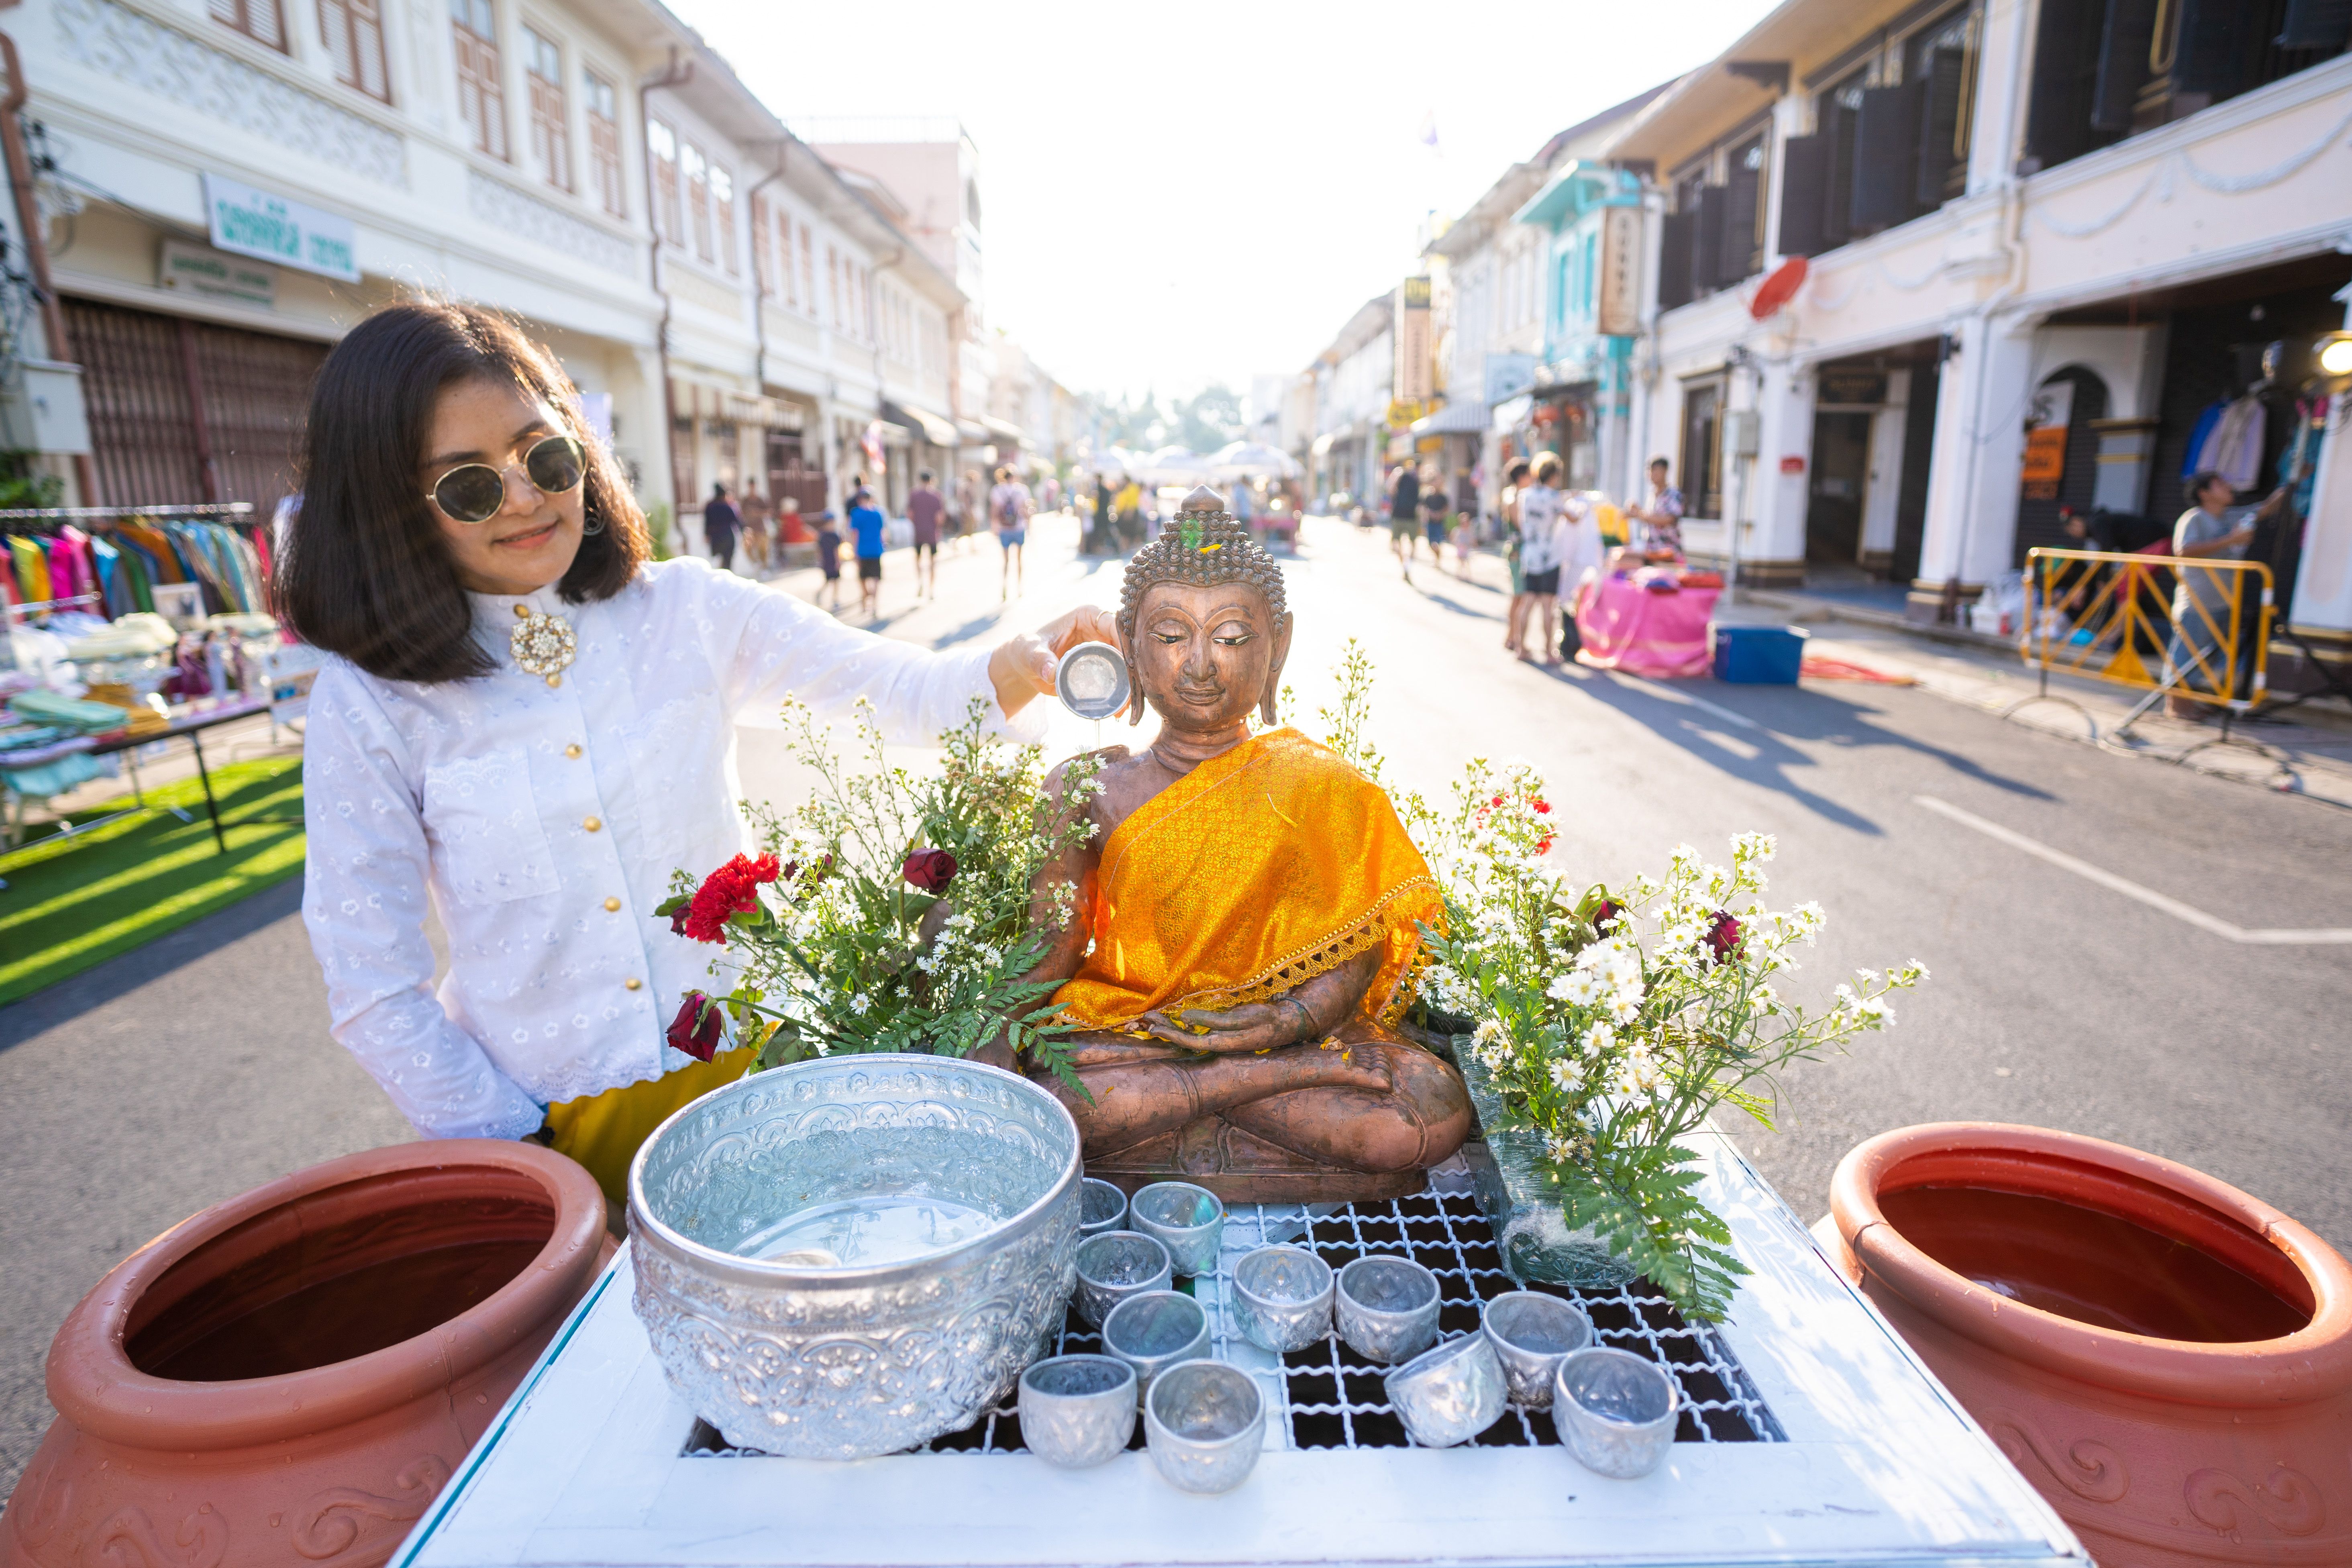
291,1376
2168,1360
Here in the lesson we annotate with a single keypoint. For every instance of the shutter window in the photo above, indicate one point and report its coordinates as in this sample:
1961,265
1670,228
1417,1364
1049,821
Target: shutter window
2060,106
2124,40
2216,39
1740,202
1707,241
1841,126
1943,83
2316,25
1675,259
1885,156
1804,193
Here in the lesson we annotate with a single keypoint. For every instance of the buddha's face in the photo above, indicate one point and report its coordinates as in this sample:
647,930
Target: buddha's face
1206,656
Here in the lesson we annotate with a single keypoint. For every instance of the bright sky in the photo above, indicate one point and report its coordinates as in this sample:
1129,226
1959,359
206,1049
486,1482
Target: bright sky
1179,194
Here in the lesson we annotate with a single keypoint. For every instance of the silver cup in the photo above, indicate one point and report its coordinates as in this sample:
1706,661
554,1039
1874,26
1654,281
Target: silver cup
1189,1221
1155,1331
1078,1410
1282,1297
1205,1425
1532,1333
1101,1208
1116,1265
1449,1394
1615,1410
1387,1308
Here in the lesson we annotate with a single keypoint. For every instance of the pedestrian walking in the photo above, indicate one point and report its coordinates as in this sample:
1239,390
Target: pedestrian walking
1466,528
1515,483
757,536
969,501
828,558
720,522
1244,506
1009,506
1404,515
524,727
865,525
1436,510
1104,541
1542,524
924,510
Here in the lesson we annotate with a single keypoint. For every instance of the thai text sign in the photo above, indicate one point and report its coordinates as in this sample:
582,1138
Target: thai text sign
251,222
2045,440
1415,366
1619,308
202,270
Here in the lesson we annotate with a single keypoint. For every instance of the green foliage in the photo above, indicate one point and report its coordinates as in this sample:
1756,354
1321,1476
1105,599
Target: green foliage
657,531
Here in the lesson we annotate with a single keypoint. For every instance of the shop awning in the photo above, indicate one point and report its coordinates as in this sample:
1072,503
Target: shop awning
1453,419
925,425
1510,416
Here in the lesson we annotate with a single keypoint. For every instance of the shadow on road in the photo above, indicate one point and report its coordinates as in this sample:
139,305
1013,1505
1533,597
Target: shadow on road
1760,751
966,632
71,998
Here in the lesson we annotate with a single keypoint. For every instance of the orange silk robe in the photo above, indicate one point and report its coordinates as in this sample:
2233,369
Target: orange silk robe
1257,871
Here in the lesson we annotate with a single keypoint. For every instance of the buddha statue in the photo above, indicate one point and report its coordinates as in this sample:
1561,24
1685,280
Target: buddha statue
1245,930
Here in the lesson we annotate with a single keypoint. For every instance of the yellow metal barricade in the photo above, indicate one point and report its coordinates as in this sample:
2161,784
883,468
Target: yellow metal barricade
2197,627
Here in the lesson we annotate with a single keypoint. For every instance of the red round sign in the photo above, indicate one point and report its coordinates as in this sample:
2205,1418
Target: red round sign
1779,287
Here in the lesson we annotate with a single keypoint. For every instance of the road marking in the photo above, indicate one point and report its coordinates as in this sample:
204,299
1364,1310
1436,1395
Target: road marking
1668,694
2131,890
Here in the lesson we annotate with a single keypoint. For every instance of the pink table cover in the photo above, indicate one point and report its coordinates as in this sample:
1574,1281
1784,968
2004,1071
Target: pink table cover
1626,627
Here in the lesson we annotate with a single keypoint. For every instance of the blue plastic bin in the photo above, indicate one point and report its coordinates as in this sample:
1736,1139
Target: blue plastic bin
1757,656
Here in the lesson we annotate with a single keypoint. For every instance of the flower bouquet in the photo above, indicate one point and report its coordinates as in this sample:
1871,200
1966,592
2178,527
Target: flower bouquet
890,912
1608,1023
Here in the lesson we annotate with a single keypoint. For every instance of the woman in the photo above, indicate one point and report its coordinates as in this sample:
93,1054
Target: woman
532,726
1515,483
1009,508
1543,541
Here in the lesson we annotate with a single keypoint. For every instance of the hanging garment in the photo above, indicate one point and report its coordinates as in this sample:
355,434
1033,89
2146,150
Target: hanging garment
2233,447
32,568
2198,436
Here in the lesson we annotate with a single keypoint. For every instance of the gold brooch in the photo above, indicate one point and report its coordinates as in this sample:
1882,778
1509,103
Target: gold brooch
542,644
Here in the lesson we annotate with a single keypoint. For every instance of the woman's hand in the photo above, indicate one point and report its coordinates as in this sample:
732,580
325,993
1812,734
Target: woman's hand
1022,668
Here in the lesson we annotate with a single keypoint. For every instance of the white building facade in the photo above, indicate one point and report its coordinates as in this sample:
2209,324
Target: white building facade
2015,213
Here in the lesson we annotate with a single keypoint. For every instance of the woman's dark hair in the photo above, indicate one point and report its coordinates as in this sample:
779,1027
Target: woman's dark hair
365,572
1516,471
2193,492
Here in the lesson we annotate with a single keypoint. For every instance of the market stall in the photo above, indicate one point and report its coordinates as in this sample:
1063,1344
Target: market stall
1649,620
1810,1434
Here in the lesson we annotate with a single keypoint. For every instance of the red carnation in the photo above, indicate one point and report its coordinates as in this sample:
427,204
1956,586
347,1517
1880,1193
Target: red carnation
1723,936
929,870
732,889
696,1028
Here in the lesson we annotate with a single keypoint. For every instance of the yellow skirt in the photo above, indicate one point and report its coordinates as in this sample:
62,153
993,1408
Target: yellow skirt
601,1132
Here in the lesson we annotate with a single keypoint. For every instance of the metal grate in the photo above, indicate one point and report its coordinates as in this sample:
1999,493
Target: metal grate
1327,1397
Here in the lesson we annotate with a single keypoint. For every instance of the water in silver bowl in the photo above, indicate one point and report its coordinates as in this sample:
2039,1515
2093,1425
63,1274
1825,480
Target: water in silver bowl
852,1256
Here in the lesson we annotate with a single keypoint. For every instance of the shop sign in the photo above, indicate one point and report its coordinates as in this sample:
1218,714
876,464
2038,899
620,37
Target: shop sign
249,221
1416,366
1857,386
2045,440
1402,412
217,274
1619,314
1508,375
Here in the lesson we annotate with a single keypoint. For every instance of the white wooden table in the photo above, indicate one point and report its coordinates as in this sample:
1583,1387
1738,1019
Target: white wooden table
588,1465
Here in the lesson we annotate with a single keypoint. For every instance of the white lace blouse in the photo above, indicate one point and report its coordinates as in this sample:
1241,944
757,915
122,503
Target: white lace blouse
544,822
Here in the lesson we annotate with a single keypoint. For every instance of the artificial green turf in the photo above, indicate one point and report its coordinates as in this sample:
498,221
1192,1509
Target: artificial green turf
70,903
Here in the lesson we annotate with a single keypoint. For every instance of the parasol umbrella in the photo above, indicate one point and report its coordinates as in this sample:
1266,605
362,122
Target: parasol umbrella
1177,466
1246,459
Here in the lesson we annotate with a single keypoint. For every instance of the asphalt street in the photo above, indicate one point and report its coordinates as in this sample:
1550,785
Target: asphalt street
172,1077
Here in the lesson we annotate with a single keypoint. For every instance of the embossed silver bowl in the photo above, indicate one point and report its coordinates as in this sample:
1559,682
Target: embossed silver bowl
1282,1297
1450,1394
929,1208
1615,1410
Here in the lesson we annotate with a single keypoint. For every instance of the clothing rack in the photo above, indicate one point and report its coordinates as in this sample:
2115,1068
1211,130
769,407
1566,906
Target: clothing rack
225,511
42,606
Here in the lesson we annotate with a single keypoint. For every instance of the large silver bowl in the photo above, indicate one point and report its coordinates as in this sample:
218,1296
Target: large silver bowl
844,1362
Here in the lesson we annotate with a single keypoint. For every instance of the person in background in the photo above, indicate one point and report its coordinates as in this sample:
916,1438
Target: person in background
756,535
1542,537
1404,515
1104,540
720,521
788,522
1583,557
1515,483
1127,511
1436,508
1009,506
924,510
1049,494
828,558
967,506
866,524
1244,506
1660,515
1466,527
2212,529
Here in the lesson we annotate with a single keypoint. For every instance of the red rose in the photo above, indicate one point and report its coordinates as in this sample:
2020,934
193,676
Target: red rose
732,889
1723,936
1604,912
696,1028
930,871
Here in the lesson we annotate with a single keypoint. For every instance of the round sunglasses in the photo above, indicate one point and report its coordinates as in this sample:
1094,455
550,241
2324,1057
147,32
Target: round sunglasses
473,492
